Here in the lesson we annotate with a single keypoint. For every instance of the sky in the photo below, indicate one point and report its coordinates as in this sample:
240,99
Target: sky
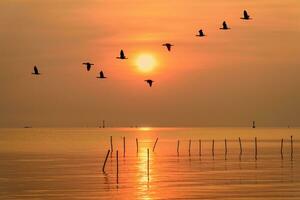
228,78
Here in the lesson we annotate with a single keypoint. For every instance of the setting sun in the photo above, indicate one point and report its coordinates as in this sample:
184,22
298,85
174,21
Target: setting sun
154,99
145,62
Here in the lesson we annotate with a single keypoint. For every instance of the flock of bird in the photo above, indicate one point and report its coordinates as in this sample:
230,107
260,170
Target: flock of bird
167,45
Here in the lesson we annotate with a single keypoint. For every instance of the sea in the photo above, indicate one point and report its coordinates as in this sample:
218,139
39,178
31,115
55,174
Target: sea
185,163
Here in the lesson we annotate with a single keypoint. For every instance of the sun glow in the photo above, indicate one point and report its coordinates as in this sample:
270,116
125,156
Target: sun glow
145,62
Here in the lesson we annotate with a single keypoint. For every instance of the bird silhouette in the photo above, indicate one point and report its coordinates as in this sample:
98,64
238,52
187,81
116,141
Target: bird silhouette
168,45
201,34
149,81
225,27
101,75
246,16
88,65
122,55
35,71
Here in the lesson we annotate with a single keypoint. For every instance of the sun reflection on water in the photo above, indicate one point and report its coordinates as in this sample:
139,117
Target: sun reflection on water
145,129
143,178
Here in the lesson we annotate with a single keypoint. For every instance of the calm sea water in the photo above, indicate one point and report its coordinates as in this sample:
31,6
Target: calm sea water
67,164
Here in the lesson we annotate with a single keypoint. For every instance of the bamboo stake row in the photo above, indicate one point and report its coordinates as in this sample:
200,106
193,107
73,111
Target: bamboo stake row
110,151
200,148
240,145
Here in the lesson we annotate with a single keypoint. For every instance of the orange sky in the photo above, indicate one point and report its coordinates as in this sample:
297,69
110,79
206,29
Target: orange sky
228,78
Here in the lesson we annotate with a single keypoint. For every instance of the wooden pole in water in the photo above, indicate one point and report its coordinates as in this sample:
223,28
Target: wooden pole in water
253,124
213,148
178,148
200,148
117,154
190,144
111,145
155,144
241,149
225,149
281,149
124,146
292,148
137,145
148,164
103,168
255,143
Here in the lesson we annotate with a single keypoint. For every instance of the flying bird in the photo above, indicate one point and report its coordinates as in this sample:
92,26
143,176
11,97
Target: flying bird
201,34
101,75
35,71
246,16
168,45
122,55
225,27
149,81
88,65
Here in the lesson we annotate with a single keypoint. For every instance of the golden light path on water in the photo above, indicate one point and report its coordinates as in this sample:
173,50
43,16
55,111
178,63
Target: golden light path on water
143,180
145,128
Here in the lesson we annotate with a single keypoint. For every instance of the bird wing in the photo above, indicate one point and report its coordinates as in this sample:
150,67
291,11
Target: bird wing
245,14
122,54
36,71
149,82
169,47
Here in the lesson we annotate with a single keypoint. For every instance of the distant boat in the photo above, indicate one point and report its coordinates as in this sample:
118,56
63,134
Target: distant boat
27,127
